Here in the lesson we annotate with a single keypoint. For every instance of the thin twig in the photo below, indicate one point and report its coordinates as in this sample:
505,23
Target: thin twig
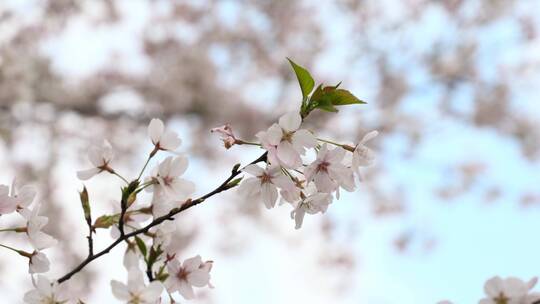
169,216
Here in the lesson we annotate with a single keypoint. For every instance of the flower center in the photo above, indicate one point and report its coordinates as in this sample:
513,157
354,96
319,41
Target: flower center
167,180
182,274
265,178
323,166
287,136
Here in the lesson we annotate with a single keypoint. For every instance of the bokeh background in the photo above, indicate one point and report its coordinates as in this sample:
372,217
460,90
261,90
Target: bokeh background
452,86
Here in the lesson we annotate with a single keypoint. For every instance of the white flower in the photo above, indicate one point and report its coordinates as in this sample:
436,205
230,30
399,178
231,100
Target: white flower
18,199
328,172
136,292
265,183
362,155
312,204
162,139
39,263
39,239
182,277
100,157
285,142
45,292
167,175
509,291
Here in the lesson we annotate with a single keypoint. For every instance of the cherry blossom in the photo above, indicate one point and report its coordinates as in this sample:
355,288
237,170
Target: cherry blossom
227,135
39,239
285,142
136,291
509,291
328,172
24,195
161,138
167,175
316,202
183,277
45,292
38,263
265,185
100,157
362,155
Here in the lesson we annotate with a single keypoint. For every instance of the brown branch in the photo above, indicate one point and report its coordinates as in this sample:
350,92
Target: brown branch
169,216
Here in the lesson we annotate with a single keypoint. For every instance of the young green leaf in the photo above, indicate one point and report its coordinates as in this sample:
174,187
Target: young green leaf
304,79
141,245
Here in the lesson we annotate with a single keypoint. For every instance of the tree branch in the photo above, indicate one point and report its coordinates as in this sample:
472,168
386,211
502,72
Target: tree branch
169,216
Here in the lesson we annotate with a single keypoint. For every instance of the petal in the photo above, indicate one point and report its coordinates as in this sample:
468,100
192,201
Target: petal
182,188
288,155
152,293
87,174
192,263
43,285
39,263
273,135
269,195
299,214
169,141
155,130
198,278
120,290
253,170
369,136
249,187
178,166
303,139
324,183
290,121
493,287
186,290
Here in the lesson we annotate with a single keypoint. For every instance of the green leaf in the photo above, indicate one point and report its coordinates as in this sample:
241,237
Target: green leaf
304,79
105,221
340,97
141,245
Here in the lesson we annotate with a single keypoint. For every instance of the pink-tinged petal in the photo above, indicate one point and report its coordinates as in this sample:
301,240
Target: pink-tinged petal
95,156
164,167
135,279
336,155
107,152
324,183
38,263
44,285
120,290
299,214
288,155
323,151
273,135
284,182
249,187
198,278
303,139
169,141
369,136
493,287
515,288
41,241
4,190
182,188
269,195
178,166
32,296
186,290
290,121
87,174
7,205
155,130
192,263
253,170
309,171
152,293
26,195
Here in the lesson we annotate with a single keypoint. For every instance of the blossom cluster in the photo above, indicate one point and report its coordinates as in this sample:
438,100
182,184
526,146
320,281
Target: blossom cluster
310,187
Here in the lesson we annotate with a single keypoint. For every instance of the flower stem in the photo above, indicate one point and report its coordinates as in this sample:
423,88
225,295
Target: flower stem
330,142
23,253
120,176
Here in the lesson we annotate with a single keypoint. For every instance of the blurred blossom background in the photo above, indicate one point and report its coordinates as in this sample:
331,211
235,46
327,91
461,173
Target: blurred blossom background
451,85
